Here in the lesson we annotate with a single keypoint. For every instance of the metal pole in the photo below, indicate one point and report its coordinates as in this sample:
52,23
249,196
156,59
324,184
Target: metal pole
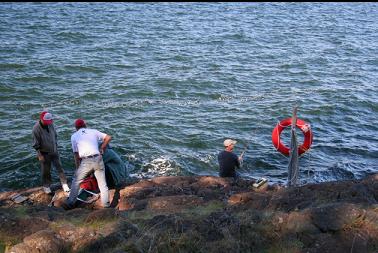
293,168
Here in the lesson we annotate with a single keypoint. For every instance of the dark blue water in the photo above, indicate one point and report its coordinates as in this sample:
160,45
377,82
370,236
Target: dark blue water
171,81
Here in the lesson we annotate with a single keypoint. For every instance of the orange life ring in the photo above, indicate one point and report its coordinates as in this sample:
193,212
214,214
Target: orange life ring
302,125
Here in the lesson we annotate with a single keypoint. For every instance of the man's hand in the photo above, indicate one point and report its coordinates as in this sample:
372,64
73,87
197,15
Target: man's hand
240,157
106,141
77,159
40,157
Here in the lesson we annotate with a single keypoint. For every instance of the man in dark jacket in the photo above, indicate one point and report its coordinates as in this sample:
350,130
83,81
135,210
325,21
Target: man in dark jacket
45,143
228,161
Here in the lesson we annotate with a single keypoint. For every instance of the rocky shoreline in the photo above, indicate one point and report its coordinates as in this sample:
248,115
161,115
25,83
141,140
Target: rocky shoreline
198,214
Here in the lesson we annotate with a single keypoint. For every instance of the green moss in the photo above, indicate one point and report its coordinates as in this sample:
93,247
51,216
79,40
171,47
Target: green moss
21,212
204,210
6,242
100,224
80,222
173,243
140,215
76,221
2,247
292,246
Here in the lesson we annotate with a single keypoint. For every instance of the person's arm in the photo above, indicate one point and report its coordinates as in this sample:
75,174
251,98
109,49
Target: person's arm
75,151
77,159
105,142
238,161
56,137
37,145
240,158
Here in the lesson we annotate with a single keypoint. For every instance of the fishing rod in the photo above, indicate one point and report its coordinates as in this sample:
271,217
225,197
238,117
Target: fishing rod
246,147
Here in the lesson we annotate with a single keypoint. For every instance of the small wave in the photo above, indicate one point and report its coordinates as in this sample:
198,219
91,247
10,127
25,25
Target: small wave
337,172
6,88
78,68
71,35
10,66
36,79
160,166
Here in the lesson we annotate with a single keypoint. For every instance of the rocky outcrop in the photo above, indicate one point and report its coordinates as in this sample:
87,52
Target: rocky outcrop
198,214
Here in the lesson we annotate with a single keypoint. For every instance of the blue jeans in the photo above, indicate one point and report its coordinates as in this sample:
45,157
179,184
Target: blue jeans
87,166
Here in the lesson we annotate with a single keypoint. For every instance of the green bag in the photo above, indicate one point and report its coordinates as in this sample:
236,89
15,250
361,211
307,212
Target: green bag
116,170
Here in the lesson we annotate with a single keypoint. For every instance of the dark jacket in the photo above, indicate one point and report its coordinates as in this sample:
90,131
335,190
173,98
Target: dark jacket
116,170
228,162
45,138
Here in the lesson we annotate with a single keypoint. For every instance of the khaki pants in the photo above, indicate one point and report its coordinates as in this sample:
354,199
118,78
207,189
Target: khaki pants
88,166
54,159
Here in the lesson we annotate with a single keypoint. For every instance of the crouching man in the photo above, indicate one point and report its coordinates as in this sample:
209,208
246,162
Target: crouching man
88,159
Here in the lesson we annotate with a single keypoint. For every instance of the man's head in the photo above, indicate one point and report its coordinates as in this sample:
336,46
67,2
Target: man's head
80,123
229,144
46,118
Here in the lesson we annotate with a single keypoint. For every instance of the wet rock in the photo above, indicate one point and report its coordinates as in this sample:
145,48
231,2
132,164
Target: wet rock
334,217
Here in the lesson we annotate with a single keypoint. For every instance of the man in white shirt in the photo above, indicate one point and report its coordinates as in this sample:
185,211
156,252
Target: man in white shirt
88,159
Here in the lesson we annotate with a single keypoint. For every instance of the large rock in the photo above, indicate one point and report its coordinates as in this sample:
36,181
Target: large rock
77,237
334,217
213,183
44,241
301,222
174,181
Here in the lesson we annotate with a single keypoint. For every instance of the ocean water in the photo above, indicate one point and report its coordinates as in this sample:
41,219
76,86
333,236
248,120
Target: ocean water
171,81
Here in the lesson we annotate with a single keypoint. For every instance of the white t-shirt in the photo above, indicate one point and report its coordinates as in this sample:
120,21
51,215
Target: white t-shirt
85,141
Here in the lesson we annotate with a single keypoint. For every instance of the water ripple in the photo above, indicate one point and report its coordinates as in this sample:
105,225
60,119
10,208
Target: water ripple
170,81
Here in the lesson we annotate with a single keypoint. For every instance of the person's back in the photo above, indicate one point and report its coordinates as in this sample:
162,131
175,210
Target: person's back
88,159
87,141
228,161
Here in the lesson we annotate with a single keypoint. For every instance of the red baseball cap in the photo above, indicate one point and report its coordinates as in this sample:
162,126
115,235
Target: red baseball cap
46,118
79,123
